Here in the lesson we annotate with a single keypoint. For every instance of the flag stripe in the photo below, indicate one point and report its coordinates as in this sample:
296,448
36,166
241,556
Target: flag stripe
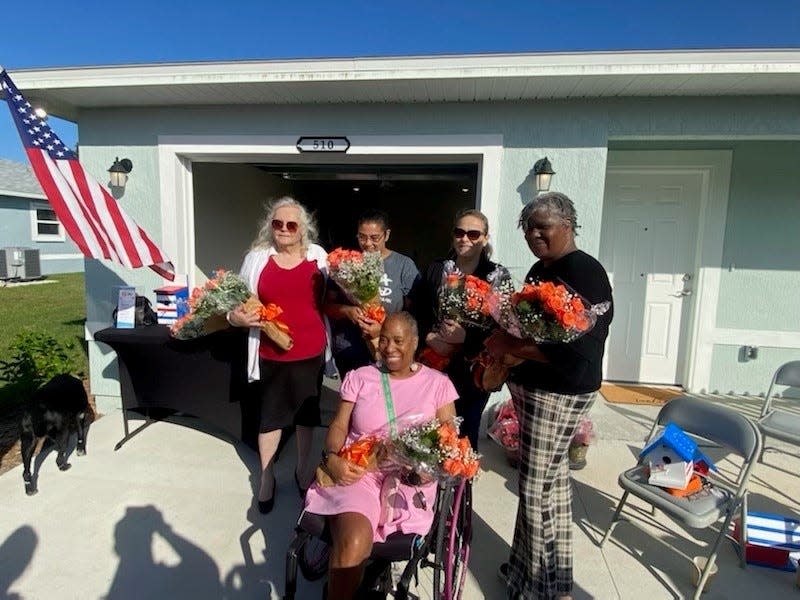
77,184
56,199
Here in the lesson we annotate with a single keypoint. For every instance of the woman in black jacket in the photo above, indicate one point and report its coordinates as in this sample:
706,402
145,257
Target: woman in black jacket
470,253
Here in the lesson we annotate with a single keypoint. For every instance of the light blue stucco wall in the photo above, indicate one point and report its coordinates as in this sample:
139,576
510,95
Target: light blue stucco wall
574,134
15,230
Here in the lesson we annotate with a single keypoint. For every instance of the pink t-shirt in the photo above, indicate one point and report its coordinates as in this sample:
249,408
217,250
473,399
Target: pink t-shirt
416,399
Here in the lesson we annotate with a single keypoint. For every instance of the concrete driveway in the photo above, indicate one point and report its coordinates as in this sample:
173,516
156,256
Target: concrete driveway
170,515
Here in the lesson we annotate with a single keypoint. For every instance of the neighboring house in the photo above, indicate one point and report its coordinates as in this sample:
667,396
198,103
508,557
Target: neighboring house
683,166
27,221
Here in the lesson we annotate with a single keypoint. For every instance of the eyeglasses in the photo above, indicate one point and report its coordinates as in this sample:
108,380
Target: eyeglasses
472,234
374,238
291,226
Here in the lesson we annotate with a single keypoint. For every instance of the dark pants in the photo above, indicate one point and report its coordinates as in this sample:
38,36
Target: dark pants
471,399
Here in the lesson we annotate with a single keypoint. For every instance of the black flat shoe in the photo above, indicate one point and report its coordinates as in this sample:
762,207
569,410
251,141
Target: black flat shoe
266,506
300,489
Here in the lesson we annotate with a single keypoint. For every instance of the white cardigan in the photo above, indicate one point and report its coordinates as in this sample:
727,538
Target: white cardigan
253,264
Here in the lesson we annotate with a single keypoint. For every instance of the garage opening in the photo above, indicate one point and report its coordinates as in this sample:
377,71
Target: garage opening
421,200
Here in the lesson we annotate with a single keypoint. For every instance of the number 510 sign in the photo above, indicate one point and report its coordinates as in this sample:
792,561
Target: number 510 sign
323,144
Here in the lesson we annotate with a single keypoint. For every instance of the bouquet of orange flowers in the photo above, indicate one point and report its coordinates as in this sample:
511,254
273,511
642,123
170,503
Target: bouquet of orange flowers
466,299
208,306
364,452
358,274
432,451
547,312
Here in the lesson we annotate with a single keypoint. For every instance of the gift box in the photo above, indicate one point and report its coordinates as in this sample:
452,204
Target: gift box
770,540
172,302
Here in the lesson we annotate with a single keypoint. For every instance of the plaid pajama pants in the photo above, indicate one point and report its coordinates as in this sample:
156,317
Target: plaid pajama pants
540,565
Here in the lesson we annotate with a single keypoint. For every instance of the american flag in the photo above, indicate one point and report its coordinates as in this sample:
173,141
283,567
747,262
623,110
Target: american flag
90,215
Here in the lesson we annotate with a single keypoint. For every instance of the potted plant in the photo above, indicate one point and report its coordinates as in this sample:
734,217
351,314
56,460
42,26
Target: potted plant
579,445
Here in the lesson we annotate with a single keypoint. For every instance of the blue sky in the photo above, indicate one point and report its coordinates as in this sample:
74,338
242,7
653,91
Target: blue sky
89,32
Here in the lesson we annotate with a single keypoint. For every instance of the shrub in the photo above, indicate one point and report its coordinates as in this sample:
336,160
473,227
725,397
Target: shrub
35,357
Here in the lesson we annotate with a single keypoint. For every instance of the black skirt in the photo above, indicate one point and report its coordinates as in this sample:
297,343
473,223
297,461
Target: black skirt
289,393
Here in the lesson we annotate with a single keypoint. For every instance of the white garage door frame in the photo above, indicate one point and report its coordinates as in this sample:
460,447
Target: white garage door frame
715,165
177,153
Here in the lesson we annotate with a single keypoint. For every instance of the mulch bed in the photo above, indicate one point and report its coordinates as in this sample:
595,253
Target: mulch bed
10,455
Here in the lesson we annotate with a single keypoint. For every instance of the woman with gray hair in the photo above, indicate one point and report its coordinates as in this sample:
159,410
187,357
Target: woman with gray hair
552,389
286,267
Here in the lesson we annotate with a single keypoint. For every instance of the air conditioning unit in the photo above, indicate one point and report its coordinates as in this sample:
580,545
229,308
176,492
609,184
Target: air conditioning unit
20,263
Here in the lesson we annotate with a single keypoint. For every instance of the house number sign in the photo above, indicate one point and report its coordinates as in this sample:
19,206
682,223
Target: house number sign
323,144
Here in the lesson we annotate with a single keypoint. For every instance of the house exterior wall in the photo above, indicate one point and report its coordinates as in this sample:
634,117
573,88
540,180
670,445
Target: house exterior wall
575,135
16,230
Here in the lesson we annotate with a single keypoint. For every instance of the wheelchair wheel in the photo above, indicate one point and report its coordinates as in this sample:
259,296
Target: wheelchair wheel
313,558
453,537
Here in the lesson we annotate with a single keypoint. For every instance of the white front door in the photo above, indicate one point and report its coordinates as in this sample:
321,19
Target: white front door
648,246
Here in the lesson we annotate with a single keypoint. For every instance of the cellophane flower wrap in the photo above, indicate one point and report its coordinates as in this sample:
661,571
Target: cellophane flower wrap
365,452
431,450
584,433
505,428
208,306
358,275
466,299
546,312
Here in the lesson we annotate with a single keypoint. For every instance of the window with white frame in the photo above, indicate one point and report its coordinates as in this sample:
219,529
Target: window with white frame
45,226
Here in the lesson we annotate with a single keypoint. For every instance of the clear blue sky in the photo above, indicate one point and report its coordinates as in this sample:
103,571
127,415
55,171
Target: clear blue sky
89,32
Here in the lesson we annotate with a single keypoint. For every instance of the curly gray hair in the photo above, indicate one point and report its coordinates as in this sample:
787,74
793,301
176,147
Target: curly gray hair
307,224
554,202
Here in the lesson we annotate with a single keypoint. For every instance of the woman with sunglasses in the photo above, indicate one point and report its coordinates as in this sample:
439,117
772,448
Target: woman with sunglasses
286,267
350,325
470,251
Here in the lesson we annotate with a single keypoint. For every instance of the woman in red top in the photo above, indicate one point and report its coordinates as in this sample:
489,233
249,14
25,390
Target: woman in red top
285,267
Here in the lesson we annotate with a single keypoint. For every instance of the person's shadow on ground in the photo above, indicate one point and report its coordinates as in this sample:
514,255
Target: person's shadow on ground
194,575
15,555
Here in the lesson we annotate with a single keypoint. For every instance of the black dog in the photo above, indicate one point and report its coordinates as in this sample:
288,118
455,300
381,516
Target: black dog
56,408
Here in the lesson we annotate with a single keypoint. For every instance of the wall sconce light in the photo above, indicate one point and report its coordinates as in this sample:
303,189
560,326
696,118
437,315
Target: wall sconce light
543,171
118,172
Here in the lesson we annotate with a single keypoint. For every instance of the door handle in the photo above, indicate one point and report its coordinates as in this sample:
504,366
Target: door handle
683,293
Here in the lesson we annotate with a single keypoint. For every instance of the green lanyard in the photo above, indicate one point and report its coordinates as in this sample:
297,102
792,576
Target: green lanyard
387,398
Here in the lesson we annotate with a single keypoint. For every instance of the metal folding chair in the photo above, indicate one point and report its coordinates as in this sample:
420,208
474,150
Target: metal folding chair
723,497
781,424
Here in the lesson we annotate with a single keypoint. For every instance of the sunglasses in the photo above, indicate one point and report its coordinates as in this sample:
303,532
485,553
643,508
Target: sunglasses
472,234
291,226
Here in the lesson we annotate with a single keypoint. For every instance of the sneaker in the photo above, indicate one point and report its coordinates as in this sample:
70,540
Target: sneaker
502,573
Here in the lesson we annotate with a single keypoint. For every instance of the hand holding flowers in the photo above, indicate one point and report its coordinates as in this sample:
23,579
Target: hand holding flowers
358,275
546,312
224,293
464,301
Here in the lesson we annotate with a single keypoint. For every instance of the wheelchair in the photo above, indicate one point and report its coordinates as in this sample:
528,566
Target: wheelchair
445,550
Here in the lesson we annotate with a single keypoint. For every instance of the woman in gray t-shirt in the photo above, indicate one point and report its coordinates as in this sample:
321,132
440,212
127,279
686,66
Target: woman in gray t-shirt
349,324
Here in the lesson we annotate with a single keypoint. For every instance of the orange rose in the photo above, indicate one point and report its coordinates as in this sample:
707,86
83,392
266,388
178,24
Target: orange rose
471,469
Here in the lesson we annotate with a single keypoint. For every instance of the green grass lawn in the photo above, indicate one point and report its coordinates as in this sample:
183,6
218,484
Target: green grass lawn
58,309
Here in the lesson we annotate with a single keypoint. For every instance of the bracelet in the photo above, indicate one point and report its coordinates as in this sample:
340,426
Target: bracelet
325,454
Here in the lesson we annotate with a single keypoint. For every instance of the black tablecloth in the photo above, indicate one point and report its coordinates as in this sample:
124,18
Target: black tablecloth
205,377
